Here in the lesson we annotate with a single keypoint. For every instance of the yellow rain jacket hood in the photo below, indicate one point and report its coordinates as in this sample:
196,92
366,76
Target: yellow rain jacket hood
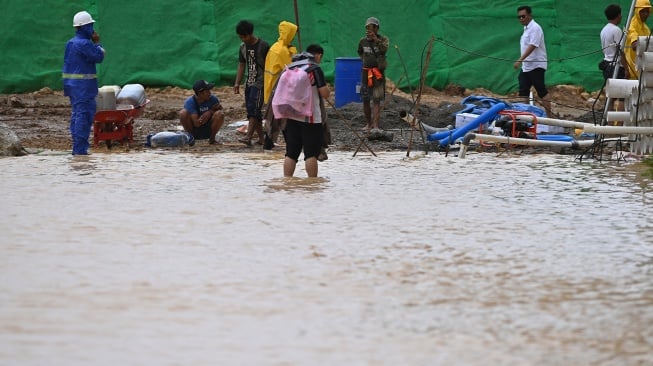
637,28
279,55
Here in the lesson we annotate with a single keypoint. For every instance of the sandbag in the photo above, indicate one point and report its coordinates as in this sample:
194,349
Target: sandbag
131,94
169,139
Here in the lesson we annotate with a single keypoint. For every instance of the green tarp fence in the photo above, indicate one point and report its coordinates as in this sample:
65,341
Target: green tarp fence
171,43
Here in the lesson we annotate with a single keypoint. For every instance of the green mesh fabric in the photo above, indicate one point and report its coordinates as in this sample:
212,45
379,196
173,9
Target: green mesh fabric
172,43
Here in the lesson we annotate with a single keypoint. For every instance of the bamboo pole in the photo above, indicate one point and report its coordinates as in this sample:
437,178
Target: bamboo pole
419,92
299,36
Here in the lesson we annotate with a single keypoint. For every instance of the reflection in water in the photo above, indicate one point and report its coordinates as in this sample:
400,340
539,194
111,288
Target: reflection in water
297,184
177,258
82,164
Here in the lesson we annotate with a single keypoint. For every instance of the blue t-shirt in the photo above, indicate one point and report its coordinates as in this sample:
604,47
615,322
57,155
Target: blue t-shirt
191,105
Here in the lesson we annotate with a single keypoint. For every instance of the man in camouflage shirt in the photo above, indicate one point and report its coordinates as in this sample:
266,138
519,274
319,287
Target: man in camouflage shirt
372,49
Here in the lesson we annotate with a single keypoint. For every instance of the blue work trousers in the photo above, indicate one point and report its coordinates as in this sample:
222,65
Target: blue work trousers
81,122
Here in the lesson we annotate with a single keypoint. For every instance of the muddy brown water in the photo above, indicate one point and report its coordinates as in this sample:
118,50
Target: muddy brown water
174,257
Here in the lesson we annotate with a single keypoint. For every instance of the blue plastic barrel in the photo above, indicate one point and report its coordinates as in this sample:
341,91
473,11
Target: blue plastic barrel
348,76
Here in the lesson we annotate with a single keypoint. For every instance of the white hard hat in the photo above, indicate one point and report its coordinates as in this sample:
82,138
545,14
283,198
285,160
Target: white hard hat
82,18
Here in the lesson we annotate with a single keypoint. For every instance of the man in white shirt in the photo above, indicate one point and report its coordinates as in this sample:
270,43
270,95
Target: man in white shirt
611,37
532,59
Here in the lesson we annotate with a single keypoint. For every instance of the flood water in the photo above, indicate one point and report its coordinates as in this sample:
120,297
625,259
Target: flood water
173,258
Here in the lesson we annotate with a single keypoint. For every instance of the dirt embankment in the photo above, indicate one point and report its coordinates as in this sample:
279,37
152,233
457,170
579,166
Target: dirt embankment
41,119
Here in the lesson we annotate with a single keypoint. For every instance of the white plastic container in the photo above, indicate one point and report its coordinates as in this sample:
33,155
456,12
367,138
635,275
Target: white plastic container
464,118
106,98
115,88
132,94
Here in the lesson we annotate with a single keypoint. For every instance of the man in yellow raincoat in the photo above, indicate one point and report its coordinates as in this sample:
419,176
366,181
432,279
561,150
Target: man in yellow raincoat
636,29
279,55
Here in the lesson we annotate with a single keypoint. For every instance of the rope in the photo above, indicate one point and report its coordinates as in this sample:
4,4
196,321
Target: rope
452,45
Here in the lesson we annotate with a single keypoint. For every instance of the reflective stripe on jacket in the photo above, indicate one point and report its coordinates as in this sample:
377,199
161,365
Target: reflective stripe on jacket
79,76
79,72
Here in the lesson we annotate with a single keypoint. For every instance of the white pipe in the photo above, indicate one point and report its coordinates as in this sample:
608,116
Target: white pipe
519,141
408,118
644,111
645,62
530,142
647,79
618,116
644,94
555,122
644,44
643,146
619,88
619,130
590,127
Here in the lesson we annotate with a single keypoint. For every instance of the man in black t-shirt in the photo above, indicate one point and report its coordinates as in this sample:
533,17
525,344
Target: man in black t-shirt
251,55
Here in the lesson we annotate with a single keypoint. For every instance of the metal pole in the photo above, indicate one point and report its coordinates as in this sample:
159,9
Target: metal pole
362,139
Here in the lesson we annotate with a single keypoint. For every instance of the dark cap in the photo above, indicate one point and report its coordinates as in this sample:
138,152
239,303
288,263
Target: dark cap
201,85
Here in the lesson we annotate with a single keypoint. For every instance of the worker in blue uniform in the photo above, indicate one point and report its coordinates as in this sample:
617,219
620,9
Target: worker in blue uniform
79,76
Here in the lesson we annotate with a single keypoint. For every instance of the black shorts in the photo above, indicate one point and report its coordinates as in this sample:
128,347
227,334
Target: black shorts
302,136
202,132
254,102
608,71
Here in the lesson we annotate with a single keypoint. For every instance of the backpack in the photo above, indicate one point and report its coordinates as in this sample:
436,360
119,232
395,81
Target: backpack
293,96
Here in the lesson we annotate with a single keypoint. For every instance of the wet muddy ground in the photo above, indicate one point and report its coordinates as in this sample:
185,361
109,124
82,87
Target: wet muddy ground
41,118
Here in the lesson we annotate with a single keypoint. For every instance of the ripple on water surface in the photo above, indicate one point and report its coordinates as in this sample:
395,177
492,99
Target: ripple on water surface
428,260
